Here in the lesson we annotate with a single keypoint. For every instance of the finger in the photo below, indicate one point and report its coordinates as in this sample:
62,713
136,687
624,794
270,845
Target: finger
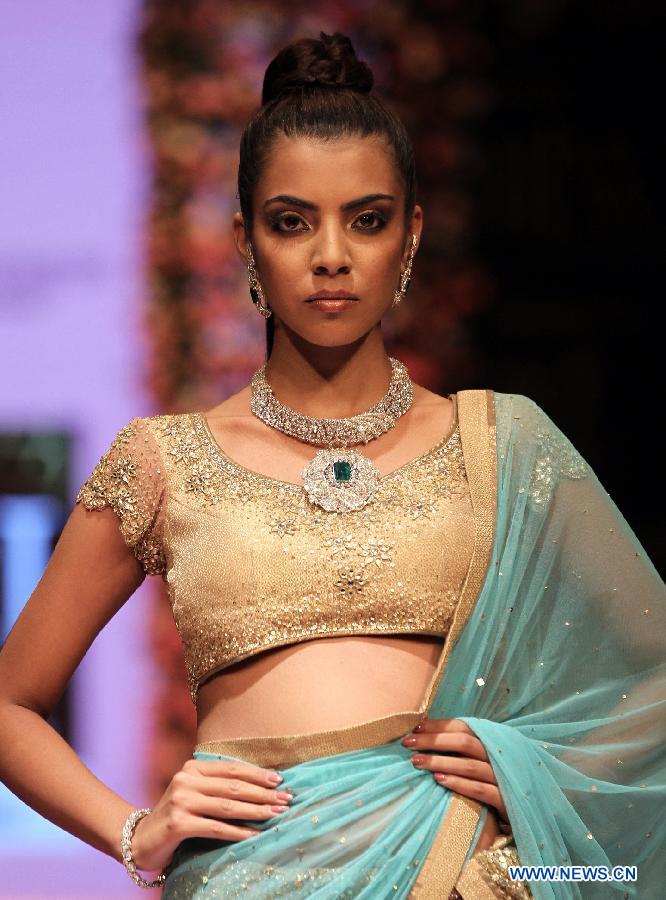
231,769
456,765
429,725
237,789
197,826
435,725
225,808
488,794
448,742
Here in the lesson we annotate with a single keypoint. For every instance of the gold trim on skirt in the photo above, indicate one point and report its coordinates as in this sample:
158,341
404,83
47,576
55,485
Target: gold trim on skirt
282,751
446,857
476,415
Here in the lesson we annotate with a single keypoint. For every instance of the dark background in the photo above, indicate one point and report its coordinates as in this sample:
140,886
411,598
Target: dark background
569,225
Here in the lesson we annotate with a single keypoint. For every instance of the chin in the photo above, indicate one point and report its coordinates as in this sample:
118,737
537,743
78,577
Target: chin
331,341
332,333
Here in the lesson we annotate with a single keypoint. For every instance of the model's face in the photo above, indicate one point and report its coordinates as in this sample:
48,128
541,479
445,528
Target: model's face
329,216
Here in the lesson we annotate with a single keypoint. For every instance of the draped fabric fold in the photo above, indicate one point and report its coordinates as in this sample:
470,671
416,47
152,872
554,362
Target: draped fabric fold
555,659
561,668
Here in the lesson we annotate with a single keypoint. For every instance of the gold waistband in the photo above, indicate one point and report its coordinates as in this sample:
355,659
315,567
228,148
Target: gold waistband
282,751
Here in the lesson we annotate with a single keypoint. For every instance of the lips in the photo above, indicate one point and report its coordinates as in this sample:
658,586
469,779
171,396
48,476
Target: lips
331,295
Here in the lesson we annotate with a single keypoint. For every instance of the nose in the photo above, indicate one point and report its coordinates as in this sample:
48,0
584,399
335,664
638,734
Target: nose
331,252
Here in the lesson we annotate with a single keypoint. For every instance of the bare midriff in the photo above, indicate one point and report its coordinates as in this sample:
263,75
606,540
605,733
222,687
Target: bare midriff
333,682
317,685
320,685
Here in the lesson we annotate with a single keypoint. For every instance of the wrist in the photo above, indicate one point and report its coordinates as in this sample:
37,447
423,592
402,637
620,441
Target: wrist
139,846
128,850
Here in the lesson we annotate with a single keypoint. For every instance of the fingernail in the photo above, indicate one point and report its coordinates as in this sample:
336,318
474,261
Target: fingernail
418,727
441,777
283,795
275,778
279,809
409,741
418,760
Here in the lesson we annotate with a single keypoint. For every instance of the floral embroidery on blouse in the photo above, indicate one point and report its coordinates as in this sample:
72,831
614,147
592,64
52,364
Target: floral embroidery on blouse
128,479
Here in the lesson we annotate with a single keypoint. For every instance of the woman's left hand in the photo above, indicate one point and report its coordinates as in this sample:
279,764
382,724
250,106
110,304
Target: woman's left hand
468,773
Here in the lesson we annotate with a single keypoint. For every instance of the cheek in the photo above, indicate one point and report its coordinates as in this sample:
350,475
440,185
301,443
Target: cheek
386,261
285,265
381,268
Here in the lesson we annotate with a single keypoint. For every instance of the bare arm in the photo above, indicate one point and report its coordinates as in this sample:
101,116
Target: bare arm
88,578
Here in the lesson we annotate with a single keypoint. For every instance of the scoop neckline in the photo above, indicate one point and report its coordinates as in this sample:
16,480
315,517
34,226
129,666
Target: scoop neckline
223,457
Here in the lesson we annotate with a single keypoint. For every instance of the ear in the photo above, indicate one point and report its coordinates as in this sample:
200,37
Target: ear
241,237
415,228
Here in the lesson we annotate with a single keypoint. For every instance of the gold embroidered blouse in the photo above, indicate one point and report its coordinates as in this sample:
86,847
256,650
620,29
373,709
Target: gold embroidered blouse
250,563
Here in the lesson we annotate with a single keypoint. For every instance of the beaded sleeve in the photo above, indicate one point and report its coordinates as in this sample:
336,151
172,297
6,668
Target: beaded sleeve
129,478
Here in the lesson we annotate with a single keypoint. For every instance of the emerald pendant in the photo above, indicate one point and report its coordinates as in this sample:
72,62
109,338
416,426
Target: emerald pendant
340,485
342,470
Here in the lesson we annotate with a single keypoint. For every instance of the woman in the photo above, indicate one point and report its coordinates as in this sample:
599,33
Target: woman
361,557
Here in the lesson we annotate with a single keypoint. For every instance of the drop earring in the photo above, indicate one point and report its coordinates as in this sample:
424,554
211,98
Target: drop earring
256,291
406,276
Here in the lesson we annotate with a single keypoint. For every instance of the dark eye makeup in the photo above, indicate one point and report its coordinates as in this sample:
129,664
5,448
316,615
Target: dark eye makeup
293,223
285,222
379,219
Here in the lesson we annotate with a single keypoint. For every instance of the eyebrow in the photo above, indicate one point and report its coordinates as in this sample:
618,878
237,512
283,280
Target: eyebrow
305,204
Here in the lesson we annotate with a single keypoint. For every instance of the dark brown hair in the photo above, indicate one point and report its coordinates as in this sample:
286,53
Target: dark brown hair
318,89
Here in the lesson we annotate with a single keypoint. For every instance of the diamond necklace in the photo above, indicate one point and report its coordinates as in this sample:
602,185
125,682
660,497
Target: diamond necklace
337,479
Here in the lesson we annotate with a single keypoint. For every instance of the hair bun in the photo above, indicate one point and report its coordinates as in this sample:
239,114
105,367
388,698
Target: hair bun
330,63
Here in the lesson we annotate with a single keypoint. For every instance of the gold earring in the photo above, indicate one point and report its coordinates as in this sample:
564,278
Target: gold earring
406,276
256,291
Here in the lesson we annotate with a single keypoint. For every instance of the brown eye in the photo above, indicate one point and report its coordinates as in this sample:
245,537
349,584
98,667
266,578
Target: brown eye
370,221
288,222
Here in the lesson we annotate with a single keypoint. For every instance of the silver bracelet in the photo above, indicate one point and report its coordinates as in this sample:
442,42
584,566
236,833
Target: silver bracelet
126,850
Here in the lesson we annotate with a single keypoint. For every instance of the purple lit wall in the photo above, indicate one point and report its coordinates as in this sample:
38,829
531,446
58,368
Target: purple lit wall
72,193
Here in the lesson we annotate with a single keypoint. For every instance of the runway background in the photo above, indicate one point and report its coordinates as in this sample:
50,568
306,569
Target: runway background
539,157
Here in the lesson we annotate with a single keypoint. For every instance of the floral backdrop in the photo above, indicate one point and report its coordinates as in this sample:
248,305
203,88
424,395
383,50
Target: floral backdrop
202,66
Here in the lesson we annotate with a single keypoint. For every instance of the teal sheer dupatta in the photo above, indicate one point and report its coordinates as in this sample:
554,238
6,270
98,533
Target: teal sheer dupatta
561,667
555,659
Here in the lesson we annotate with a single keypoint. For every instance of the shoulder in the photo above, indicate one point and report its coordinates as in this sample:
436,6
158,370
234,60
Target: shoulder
524,412
526,432
159,421
424,396
237,404
161,426
518,408
520,414
143,427
518,405
148,443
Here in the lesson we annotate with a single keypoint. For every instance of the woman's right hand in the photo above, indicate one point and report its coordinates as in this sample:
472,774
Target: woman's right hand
199,800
